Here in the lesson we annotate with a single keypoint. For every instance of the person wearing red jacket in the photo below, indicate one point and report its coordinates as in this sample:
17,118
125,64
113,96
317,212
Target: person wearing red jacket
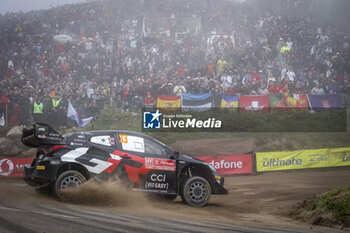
149,101
230,91
281,87
5,99
273,88
284,90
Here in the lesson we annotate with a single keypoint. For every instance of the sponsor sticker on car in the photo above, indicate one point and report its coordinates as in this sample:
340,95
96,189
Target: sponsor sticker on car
160,164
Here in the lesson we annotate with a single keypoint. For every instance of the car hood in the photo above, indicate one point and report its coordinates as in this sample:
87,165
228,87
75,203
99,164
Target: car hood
187,158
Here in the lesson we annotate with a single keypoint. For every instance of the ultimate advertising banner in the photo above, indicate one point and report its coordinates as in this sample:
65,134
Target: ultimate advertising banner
301,159
13,167
230,164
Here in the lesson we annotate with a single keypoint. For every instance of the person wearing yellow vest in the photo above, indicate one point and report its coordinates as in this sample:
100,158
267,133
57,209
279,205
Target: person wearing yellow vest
55,111
38,110
55,102
284,49
221,64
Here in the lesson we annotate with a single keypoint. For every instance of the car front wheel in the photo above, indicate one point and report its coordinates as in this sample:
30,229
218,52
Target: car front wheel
196,191
68,180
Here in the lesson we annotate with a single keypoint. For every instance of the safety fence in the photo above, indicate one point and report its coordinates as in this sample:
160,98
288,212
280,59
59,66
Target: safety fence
238,164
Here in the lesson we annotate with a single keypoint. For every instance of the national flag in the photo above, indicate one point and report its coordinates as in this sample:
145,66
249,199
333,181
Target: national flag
197,103
72,114
2,120
297,101
168,103
318,102
254,103
229,102
277,102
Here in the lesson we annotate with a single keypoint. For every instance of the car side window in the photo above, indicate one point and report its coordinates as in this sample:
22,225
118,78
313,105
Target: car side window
153,148
102,140
131,143
141,145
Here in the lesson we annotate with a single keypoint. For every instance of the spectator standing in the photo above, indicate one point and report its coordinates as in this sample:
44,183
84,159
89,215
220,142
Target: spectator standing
221,65
149,101
179,89
38,110
226,80
56,111
317,90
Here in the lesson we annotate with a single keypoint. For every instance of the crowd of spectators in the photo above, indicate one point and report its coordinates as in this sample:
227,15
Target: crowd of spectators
110,62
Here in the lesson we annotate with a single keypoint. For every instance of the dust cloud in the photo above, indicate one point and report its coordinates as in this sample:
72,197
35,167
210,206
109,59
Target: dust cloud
106,194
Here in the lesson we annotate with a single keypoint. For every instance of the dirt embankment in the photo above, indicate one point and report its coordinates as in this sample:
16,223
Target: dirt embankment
215,147
327,209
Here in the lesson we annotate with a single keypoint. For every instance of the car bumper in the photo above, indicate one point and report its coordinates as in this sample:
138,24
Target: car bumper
220,191
219,187
39,174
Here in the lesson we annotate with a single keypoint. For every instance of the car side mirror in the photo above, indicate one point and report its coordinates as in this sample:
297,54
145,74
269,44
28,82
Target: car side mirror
175,155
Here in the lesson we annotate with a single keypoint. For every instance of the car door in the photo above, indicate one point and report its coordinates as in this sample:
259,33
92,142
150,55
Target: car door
92,151
157,172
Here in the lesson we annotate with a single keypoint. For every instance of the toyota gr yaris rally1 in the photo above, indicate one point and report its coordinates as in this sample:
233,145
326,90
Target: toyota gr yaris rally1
140,161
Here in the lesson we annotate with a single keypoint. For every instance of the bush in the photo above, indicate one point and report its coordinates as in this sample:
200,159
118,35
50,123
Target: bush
328,209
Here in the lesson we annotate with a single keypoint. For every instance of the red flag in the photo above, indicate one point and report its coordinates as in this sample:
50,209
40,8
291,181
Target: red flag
169,103
254,103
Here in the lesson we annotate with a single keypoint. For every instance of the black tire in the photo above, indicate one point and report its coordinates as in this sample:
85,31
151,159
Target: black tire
195,191
66,180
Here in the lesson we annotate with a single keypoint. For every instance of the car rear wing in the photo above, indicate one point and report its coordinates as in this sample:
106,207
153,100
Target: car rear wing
40,134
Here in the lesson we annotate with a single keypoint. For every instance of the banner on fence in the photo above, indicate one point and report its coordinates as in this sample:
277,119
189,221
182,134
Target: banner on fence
13,167
300,159
277,102
254,103
196,103
297,101
318,102
230,164
168,102
229,102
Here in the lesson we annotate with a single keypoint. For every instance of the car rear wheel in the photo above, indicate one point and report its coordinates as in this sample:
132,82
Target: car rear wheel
68,180
195,191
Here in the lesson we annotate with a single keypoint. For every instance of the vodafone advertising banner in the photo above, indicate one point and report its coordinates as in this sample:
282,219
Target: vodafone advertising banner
12,167
230,164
